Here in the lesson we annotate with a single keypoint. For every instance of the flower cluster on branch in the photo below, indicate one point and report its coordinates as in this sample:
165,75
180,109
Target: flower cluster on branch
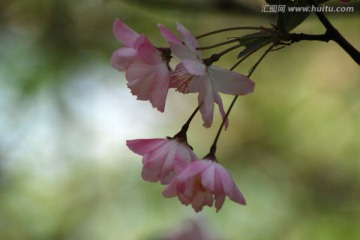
151,73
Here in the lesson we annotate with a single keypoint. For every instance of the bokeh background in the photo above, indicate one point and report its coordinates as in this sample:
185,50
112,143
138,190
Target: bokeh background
65,172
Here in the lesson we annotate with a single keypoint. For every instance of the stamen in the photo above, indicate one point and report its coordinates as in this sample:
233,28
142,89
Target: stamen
198,184
183,78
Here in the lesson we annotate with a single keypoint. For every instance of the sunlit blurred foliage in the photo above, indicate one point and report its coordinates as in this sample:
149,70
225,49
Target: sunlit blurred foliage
65,173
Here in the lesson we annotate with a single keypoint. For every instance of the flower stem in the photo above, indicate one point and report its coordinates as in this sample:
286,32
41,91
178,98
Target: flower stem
213,146
218,44
230,29
185,127
216,56
248,55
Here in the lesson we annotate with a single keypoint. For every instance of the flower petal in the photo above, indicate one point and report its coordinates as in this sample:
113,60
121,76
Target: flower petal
167,173
144,146
146,51
208,177
218,101
171,189
122,58
229,186
176,45
189,40
184,199
193,169
219,201
124,34
200,199
206,103
194,67
230,82
168,35
183,157
151,170
149,82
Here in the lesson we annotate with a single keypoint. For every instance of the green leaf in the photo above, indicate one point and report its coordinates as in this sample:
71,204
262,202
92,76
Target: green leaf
289,20
249,39
255,45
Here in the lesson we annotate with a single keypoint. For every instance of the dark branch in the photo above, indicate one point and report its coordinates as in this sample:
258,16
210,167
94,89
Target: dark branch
297,37
334,35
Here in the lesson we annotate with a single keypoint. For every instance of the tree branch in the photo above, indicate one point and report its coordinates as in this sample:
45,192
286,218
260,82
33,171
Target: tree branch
297,37
334,35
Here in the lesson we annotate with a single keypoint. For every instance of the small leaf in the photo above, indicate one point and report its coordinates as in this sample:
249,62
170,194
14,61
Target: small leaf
257,44
253,37
289,20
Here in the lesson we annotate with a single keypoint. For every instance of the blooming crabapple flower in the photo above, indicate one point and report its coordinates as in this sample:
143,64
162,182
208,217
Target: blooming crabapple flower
201,183
193,75
162,158
192,230
147,69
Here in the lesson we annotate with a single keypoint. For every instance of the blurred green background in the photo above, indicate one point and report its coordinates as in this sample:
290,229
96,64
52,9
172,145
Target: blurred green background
65,172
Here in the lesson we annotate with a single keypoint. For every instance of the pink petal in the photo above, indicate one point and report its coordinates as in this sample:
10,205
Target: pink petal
149,82
208,177
194,67
171,189
184,199
219,201
158,163
152,169
168,163
206,104
230,82
176,45
160,90
193,169
197,84
144,146
124,34
168,35
189,40
184,157
229,186
122,58
218,101
181,51
200,199
189,186
146,51
154,162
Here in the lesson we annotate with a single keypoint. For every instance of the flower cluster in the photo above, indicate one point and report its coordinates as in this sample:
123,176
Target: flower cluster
196,182
150,75
171,161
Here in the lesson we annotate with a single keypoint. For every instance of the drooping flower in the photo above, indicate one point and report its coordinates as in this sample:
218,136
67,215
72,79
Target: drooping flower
162,158
147,69
192,229
193,75
202,183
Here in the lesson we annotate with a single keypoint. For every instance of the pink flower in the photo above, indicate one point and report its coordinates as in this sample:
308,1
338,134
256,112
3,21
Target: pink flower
201,183
147,70
192,230
193,75
162,158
